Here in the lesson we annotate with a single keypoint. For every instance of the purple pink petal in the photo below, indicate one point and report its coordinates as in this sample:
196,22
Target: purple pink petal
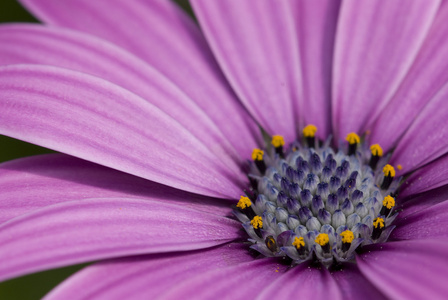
92,229
407,269
84,53
428,74
256,47
24,184
149,276
371,34
167,39
93,119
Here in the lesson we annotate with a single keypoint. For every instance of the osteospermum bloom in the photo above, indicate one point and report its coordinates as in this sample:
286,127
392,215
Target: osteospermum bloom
136,88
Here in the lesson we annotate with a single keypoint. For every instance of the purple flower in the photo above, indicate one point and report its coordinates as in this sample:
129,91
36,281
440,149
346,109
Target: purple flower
158,121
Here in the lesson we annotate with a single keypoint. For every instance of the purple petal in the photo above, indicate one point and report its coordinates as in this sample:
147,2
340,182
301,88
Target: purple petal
427,75
31,183
80,231
162,35
354,285
255,43
95,120
240,281
426,139
421,201
431,176
431,222
407,269
303,282
146,277
36,44
371,35
316,25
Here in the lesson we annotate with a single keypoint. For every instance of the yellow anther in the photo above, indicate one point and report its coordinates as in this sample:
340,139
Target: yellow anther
347,236
277,141
309,131
244,202
298,242
257,154
389,202
257,222
400,167
388,170
376,150
378,222
352,138
322,239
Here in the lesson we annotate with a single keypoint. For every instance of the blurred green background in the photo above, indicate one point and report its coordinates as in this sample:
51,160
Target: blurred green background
33,286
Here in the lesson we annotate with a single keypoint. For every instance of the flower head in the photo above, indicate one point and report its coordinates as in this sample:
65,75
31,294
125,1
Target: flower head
135,87
321,196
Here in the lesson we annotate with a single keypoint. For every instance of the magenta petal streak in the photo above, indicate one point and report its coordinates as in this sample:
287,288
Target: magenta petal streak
316,27
421,201
354,285
407,269
256,46
427,137
95,120
429,223
176,46
24,184
36,44
146,277
303,282
364,80
428,74
80,231
251,275
430,176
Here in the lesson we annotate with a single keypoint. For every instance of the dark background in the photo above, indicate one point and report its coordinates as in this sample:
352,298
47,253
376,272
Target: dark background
33,286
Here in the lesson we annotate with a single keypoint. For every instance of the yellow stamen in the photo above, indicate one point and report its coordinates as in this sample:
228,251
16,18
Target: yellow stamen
298,242
257,154
400,167
347,236
376,150
257,222
352,138
378,222
322,239
244,202
277,141
388,170
389,202
309,131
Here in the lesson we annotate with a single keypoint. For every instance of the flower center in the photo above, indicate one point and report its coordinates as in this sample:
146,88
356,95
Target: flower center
310,202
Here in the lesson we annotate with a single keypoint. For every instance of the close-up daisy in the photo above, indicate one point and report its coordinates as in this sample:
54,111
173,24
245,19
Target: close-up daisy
248,150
